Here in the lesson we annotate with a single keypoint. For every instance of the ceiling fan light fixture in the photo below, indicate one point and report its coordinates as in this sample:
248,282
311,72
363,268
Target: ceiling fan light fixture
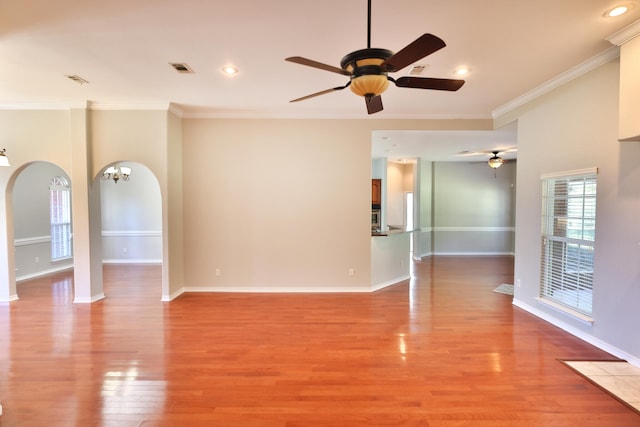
4,160
495,162
371,84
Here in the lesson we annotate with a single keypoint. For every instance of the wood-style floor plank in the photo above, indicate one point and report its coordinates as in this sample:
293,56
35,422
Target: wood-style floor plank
439,350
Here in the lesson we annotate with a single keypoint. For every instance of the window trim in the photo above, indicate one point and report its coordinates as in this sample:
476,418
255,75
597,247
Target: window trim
548,234
60,184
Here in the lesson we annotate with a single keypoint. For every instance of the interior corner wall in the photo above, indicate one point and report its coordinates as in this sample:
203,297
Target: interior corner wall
173,219
576,127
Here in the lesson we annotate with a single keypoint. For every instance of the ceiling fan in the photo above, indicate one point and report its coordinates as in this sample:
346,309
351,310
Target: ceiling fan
495,161
368,69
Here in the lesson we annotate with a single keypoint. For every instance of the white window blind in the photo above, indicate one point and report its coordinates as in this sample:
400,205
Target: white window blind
568,239
60,218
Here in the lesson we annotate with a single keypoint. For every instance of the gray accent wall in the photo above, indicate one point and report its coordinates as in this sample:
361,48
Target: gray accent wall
571,128
466,209
32,229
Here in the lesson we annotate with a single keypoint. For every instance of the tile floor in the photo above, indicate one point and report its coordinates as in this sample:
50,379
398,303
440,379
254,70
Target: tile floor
618,378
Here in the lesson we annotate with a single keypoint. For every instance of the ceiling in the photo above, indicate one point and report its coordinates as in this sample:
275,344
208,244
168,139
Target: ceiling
123,50
445,145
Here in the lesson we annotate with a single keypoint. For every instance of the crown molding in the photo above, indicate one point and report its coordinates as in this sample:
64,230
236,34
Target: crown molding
34,107
90,105
176,110
624,35
129,107
562,79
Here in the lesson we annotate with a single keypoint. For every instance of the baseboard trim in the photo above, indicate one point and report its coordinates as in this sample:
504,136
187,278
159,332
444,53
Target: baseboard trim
10,298
277,289
391,282
172,296
578,333
470,254
43,273
132,261
90,300
473,253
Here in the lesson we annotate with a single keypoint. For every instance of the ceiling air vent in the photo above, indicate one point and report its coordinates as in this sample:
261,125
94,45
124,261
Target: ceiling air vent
77,79
181,67
416,70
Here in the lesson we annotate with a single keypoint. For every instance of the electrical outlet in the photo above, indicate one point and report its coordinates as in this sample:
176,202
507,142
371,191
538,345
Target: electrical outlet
518,284
124,250
37,259
352,272
218,272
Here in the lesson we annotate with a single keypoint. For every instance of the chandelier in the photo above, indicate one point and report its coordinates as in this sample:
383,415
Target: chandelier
116,173
4,160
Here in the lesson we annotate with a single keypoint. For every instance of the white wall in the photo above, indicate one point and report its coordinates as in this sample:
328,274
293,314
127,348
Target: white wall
576,127
400,177
394,206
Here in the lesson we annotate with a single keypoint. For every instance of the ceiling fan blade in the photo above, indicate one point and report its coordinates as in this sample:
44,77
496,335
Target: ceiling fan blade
315,64
429,83
424,45
333,89
374,104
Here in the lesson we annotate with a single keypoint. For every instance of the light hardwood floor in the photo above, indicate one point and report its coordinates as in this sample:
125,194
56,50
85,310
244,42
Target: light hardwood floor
439,350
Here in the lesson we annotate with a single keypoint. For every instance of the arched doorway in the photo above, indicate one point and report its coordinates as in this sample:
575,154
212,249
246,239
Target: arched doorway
42,226
131,218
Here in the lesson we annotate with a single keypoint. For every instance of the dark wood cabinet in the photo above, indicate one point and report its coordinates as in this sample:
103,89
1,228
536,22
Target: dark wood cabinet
376,191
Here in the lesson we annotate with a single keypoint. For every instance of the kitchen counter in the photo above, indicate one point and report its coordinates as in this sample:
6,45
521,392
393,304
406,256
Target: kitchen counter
390,232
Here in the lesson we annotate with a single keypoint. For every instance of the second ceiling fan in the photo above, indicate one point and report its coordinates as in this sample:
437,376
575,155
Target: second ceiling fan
368,69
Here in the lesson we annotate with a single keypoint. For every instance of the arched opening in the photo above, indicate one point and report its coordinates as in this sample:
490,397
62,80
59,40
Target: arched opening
42,230
131,231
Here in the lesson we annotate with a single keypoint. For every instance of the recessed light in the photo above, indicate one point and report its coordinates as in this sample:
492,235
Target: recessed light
462,71
230,70
618,10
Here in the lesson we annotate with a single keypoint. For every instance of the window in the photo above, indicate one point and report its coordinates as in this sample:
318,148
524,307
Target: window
60,218
568,239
